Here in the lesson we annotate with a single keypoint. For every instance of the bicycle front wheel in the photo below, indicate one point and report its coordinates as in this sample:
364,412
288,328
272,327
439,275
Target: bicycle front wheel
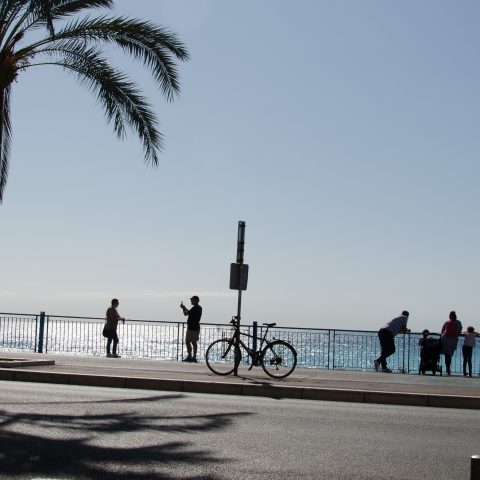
222,356
279,359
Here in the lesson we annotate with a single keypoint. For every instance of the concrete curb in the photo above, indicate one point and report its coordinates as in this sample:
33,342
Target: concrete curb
230,388
22,362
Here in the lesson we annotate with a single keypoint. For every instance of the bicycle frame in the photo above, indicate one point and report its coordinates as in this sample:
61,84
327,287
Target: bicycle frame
255,355
277,357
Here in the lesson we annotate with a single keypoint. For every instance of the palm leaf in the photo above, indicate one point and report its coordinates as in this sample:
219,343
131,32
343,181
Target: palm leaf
154,46
43,9
47,11
77,47
63,8
9,11
5,137
122,102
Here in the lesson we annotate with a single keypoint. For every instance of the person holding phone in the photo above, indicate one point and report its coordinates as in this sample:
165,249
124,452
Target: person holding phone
193,328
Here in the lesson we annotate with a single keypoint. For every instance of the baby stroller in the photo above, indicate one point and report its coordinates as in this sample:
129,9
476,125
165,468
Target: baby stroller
430,350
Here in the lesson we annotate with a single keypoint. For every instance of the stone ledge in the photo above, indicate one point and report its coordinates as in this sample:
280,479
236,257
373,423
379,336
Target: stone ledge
41,377
273,391
452,401
226,388
88,380
334,395
145,383
23,362
397,398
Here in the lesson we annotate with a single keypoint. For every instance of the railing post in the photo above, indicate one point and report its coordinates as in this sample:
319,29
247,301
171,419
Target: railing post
254,333
328,351
178,339
36,336
41,332
409,352
475,468
333,353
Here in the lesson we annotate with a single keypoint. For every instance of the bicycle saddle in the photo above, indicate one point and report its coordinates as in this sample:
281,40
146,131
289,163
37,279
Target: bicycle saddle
270,324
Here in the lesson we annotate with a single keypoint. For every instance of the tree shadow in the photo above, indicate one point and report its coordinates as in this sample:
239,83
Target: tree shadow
156,398
58,452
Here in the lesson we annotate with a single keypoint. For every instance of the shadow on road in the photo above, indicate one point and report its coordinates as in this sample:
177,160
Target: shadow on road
173,396
48,445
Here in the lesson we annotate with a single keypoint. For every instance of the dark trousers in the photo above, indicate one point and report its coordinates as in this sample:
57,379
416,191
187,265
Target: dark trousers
467,359
387,346
448,362
112,337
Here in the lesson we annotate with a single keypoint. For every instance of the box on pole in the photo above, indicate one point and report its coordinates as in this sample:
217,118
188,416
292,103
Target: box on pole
239,270
238,276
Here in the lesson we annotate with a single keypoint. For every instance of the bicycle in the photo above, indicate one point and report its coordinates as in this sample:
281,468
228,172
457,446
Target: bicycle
278,358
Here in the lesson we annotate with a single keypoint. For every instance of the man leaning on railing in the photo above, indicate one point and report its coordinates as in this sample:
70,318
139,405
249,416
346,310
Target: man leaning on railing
387,343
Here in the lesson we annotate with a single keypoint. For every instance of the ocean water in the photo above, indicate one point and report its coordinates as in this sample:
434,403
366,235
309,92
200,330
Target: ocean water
316,348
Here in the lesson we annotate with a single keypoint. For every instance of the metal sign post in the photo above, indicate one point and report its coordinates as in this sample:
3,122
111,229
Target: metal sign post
239,274
240,252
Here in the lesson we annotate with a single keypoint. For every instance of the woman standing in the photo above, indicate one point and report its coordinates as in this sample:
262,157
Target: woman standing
451,329
110,328
467,350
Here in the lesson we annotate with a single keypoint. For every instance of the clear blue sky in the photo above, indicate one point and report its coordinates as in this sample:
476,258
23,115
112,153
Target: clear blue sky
345,134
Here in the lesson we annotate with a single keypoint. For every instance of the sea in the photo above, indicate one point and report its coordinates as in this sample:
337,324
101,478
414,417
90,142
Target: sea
316,348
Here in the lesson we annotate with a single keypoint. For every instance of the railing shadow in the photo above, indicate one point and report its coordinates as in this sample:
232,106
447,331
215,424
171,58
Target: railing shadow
84,446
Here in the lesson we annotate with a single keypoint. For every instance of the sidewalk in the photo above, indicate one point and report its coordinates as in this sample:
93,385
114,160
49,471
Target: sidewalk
304,383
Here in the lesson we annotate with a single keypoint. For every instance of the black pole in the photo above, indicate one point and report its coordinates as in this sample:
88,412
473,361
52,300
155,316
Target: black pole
41,332
475,467
240,242
240,252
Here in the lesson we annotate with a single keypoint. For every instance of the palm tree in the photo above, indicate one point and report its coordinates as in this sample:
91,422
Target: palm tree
75,44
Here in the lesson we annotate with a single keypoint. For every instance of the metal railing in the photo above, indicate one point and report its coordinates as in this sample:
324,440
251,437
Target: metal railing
151,339
18,332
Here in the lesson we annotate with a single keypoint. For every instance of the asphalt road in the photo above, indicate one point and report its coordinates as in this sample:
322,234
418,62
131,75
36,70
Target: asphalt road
71,432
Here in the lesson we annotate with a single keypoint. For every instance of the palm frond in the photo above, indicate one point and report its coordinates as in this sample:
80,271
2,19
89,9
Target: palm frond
64,8
77,47
43,13
122,102
9,11
154,46
6,9
5,137
48,11
42,9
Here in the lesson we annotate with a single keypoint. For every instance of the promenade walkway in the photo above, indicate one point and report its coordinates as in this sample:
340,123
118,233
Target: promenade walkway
304,383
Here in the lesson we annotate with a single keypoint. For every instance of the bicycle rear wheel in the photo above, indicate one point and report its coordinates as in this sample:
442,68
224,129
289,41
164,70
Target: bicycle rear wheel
222,356
279,359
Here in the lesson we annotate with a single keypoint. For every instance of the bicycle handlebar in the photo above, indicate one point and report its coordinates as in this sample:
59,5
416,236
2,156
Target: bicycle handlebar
234,322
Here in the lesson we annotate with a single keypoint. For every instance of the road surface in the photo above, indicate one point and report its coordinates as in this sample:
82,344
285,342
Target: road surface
70,432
